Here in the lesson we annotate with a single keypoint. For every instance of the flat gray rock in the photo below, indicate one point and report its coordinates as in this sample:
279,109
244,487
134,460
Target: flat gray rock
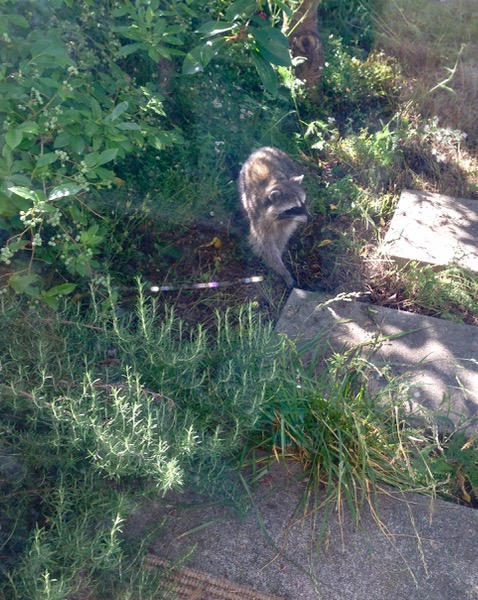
437,358
434,229
413,548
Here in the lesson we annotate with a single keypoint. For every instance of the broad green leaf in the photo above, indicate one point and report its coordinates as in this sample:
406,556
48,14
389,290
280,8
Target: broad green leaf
47,61
272,44
200,56
240,8
175,29
46,208
18,20
50,52
190,11
174,41
25,166
154,54
77,144
46,159
129,49
118,110
60,290
274,59
77,214
51,83
29,127
91,159
7,154
7,207
90,237
49,46
24,192
25,284
215,27
107,156
164,139
19,180
270,33
64,190
171,51
62,140
266,73
128,126
51,301
96,108
91,128
192,61
120,138
13,137
17,244
104,174
211,49
119,12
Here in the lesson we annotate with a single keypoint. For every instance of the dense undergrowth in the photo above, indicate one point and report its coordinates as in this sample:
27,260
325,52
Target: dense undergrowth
117,163
101,410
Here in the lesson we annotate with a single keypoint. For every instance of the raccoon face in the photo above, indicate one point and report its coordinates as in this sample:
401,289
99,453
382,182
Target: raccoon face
286,200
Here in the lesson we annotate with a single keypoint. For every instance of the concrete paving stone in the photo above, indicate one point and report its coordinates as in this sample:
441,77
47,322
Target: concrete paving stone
433,229
438,359
418,549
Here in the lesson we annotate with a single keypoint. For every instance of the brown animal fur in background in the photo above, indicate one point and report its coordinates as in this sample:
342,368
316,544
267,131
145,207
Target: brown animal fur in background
303,32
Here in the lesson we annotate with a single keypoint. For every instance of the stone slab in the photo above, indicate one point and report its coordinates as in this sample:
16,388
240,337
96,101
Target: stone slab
433,229
411,548
437,358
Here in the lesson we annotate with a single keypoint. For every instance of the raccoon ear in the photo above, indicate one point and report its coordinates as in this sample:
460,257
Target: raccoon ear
274,195
297,179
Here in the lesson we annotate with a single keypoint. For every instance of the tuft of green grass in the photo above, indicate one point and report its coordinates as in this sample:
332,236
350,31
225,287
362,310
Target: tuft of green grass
450,293
353,21
348,438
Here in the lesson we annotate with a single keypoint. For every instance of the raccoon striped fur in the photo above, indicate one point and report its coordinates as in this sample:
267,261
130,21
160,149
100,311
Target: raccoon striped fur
274,202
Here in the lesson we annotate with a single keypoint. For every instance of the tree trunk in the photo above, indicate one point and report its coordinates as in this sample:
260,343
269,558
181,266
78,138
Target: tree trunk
304,41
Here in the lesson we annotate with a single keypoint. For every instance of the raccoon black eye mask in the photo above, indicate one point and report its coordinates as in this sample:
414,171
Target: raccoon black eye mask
295,211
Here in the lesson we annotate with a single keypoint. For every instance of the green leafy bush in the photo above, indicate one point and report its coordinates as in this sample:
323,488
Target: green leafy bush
81,88
69,108
354,82
244,22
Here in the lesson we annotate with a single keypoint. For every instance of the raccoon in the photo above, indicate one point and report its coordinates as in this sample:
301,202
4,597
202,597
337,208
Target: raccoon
274,202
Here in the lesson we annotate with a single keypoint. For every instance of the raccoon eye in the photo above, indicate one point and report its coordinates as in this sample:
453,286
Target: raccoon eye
274,195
